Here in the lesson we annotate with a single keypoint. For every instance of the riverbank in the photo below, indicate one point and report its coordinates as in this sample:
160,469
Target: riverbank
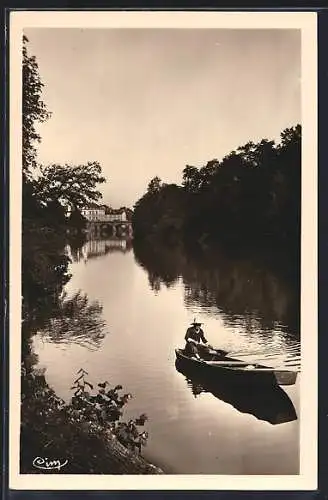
53,430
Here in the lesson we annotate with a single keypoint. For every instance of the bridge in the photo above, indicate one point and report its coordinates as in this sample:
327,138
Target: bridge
119,228
103,221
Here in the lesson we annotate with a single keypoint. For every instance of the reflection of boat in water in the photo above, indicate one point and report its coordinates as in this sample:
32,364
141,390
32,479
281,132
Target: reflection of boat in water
216,363
265,402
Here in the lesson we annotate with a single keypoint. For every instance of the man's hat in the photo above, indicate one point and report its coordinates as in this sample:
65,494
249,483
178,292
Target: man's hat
196,323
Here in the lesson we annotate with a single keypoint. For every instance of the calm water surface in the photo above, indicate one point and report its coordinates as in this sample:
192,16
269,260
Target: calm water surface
148,300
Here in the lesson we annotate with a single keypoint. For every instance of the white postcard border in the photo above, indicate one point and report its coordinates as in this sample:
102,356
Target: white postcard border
307,23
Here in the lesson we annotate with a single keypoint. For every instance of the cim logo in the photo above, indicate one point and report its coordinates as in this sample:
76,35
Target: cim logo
47,464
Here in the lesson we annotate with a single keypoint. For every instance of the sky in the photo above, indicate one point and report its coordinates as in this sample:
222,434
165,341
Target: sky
147,102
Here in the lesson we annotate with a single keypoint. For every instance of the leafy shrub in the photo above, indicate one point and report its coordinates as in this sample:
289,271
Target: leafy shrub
103,408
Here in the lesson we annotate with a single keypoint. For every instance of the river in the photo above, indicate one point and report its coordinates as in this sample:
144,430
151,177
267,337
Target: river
139,303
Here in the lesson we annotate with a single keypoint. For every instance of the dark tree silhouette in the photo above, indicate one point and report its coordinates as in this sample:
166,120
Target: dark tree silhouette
154,185
73,186
251,196
34,109
47,193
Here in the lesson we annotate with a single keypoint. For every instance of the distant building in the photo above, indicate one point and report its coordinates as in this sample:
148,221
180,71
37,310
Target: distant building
104,214
93,213
116,215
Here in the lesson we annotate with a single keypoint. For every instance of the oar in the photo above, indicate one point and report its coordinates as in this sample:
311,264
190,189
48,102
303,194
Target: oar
244,353
222,362
215,349
245,363
228,353
252,356
260,352
249,353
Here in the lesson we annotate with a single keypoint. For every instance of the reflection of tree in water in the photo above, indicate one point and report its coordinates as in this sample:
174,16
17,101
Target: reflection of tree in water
75,245
244,290
76,320
162,264
154,282
92,247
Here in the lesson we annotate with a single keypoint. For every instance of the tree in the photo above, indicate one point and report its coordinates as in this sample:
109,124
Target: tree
34,109
47,192
154,185
206,173
251,196
191,178
66,185
160,211
76,221
73,186
291,135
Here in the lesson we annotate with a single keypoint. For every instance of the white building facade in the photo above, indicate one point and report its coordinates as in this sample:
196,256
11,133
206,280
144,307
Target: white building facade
99,214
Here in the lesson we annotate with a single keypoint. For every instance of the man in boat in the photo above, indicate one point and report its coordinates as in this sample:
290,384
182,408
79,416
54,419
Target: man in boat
194,338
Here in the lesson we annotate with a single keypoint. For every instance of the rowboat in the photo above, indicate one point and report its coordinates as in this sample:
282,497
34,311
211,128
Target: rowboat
217,364
268,403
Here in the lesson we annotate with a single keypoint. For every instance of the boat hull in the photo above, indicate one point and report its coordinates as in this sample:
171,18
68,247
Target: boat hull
234,373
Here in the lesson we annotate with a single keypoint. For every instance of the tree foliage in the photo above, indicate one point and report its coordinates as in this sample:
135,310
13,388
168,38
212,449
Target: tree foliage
73,186
34,109
154,185
160,211
47,193
44,265
88,433
103,408
252,194
53,185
